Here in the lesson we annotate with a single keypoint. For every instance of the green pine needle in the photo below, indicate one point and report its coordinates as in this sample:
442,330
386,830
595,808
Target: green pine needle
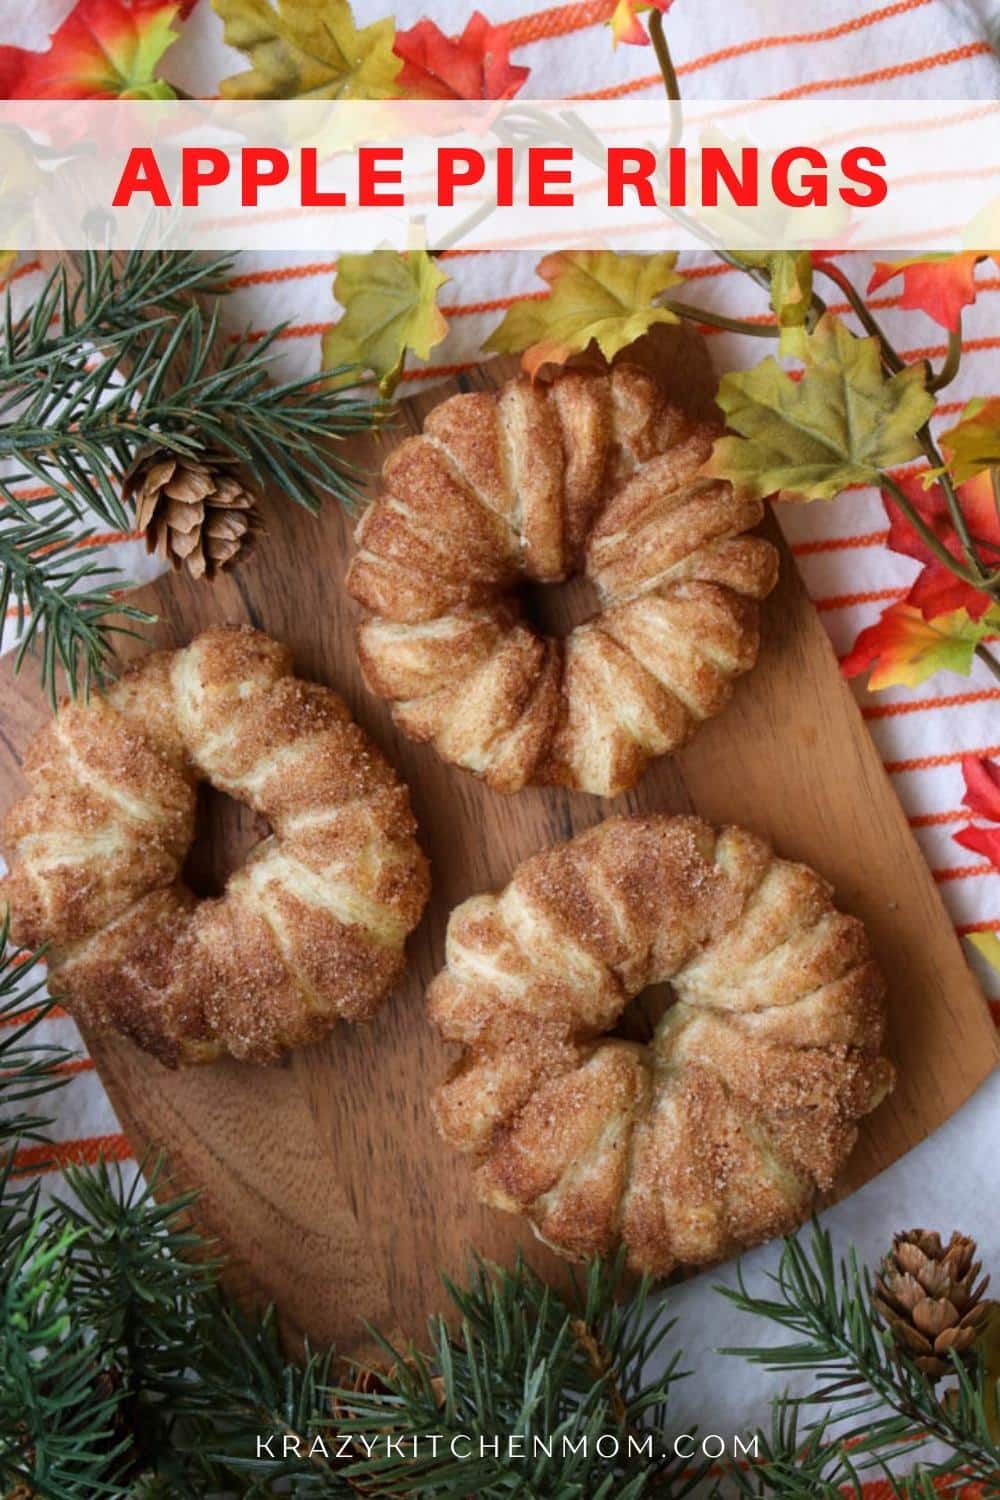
104,363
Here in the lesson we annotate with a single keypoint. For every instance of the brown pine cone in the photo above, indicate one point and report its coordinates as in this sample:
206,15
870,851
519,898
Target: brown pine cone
931,1298
195,511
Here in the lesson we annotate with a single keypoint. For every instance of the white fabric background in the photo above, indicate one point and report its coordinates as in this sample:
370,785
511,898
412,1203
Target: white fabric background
950,1179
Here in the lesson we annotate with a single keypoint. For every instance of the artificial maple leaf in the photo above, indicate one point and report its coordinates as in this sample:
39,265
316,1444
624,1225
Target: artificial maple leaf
104,49
475,65
840,424
308,48
973,444
982,796
597,296
936,283
984,841
790,274
625,24
936,590
982,786
902,649
987,944
389,303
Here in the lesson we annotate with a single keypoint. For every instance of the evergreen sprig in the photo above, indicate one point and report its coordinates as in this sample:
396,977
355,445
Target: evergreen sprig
126,1371
109,359
873,1407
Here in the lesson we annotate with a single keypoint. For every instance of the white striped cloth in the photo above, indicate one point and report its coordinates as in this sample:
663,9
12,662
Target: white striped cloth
745,48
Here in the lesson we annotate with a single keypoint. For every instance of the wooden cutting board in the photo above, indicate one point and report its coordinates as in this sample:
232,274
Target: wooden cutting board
322,1178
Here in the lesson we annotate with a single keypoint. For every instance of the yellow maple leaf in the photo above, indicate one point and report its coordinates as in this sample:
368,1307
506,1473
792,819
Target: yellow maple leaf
841,423
987,945
973,444
598,296
308,49
7,259
390,305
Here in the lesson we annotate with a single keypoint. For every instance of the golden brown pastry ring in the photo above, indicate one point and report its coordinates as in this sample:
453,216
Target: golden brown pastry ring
595,473
717,1133
309,930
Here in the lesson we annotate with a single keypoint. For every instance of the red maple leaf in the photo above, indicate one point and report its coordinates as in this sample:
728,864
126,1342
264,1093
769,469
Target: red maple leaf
938,284
104,49
982,796
982,786
475,65
936,591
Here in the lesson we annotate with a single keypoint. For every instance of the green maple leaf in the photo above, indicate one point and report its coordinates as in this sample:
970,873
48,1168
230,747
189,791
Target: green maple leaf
842,423
308,49
390,305
597,295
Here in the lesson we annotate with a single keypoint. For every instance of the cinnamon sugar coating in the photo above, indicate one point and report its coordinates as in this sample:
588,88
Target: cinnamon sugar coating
309,931
717,1133
595,473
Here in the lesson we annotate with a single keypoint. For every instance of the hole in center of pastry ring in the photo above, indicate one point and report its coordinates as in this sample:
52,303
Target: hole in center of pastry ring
715,1129
226,832
596,475
309,929
557,610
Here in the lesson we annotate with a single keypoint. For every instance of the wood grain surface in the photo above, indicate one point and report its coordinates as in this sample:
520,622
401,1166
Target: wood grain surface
323,1177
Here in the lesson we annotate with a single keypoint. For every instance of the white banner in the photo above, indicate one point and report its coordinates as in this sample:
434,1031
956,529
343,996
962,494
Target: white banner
881,175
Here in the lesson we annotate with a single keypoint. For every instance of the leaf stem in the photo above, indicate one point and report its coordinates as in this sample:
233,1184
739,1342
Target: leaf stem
719,320
870,323
934,457
926,535
986,656
668,73
952,360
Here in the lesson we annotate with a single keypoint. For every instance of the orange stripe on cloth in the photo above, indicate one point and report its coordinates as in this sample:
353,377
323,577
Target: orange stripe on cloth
896,70
24,1016
560,20
870,596
840,543
557,20
917,705
856,80
929,762
963,872
33,1160
27,269
939,819
989,924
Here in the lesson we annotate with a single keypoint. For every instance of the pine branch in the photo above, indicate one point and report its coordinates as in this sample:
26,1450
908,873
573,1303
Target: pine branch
110,358
875,1405
58,597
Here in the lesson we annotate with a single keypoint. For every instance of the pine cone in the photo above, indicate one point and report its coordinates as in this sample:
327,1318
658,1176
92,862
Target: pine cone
194,510
931,1298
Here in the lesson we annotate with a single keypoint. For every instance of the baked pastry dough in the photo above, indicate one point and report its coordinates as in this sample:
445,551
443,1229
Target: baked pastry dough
718,1132
595,472
309,930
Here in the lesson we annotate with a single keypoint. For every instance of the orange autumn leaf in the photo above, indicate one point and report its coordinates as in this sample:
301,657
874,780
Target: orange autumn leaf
938,284
902,649
937,590
625,24
104,49
475,65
